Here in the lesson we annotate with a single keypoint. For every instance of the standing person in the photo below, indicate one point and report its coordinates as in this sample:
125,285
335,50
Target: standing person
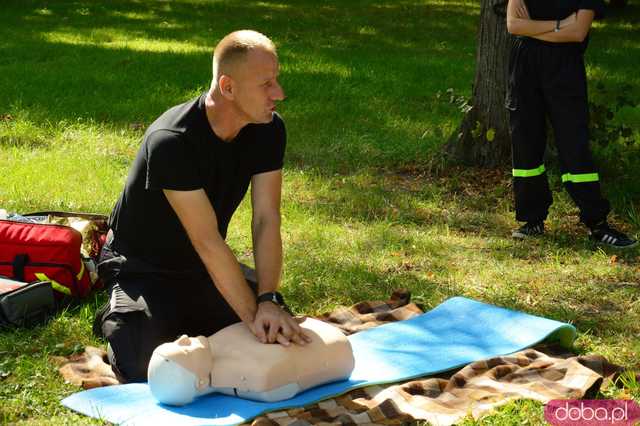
166,263
547,78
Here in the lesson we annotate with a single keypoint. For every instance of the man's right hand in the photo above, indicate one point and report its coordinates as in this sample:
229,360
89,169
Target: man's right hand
521,10
273,325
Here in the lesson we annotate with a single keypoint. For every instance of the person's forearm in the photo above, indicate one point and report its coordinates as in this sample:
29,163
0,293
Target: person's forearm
563,36
224,269
519,21
574,29
529,27
267,252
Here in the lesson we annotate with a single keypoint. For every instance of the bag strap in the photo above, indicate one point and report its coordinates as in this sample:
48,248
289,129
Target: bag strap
19,263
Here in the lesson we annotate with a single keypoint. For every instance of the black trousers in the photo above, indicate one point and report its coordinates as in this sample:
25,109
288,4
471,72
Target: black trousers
149,306
549,80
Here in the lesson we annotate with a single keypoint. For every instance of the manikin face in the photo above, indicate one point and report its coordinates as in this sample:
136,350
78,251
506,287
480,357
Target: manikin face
256,89
193,353
180,370
188,344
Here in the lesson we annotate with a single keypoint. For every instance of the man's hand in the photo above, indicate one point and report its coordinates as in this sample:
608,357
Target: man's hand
274,325
521,9
571,19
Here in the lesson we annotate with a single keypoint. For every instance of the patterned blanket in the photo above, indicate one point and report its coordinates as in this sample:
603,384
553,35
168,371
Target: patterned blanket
542,374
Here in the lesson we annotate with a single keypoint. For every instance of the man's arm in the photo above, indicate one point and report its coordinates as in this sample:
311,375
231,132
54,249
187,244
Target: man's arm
199,220
575,31
271,322
265,226
520,23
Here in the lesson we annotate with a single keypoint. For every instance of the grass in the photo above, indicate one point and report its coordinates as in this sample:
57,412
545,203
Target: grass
368,206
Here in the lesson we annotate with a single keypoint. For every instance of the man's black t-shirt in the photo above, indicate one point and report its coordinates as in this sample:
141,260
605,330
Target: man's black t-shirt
181,152
544,10
551,10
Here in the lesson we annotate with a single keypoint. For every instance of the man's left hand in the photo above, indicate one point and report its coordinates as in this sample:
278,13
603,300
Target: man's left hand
273,325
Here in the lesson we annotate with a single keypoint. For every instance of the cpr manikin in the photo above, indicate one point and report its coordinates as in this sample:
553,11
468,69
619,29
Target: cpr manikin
233,362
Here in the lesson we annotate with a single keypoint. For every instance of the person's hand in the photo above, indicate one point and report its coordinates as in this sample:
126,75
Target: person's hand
521,9
274,325
571,19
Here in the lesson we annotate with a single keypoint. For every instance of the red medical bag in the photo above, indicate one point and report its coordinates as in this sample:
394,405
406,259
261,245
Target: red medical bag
44,252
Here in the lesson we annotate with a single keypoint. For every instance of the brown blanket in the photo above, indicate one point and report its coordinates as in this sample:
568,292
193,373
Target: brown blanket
474,390
542,374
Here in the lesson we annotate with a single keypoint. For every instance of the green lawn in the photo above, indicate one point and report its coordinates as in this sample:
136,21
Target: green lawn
368,205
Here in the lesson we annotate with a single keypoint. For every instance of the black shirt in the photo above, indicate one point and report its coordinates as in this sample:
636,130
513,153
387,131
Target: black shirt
551,10
181,152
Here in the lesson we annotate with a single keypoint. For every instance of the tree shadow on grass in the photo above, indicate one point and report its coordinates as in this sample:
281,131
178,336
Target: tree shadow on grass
361,76
88,60
397,23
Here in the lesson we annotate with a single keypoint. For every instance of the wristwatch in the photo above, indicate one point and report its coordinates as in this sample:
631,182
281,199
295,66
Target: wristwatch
271,296
275,298
557,28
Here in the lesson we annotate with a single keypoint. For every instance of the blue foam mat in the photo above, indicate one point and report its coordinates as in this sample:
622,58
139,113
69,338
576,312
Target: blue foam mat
453,334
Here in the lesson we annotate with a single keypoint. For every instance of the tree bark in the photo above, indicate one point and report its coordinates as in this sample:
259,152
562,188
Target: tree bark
483,136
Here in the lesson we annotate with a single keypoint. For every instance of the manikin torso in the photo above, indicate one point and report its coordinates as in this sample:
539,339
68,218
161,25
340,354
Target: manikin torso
233,362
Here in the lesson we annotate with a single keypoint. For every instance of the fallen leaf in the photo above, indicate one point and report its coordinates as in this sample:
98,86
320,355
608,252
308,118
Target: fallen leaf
136,126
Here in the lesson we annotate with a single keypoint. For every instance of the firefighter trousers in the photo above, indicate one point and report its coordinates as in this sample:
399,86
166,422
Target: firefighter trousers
549,80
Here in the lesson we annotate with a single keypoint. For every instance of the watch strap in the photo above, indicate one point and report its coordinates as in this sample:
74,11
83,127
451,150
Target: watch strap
275,298
271,296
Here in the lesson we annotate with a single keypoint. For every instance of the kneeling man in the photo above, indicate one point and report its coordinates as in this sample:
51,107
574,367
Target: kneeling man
166,263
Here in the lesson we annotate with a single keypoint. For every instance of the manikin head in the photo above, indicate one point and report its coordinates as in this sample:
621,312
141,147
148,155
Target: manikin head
245,75
180,370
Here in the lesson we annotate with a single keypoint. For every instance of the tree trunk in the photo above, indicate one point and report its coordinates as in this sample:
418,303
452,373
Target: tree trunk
483,136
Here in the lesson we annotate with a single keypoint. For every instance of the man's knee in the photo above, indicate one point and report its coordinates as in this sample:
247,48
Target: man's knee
131,342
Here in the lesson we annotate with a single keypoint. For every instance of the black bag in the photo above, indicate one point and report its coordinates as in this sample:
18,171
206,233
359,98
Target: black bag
25,304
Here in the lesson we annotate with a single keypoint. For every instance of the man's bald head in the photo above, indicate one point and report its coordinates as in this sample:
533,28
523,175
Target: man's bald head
234,48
